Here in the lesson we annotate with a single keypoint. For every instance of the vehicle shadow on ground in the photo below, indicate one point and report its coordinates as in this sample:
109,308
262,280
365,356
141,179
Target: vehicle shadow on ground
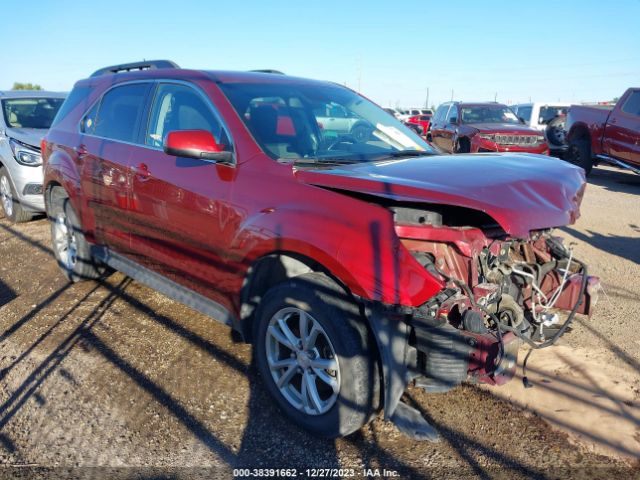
617,245
615,180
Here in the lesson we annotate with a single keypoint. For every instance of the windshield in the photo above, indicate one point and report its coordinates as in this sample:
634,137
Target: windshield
320,123
487,114
30,112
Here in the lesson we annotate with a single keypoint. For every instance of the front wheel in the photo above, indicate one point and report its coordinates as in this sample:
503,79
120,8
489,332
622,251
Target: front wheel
11,206
316,357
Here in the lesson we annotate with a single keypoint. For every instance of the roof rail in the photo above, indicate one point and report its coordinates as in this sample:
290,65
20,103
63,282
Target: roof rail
127,67
267,70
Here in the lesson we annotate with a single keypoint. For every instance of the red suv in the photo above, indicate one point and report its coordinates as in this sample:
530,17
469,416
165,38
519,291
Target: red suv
354,264
460,127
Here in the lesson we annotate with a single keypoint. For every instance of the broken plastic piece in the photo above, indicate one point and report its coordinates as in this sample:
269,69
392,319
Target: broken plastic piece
410,422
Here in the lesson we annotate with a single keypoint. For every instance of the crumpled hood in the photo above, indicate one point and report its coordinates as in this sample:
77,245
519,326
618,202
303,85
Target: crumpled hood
522,192
30,136
507,128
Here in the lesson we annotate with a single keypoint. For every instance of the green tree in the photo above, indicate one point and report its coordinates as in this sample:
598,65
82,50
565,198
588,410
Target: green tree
25,86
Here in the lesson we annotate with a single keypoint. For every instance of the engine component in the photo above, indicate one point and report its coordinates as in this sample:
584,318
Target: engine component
446,357
473,322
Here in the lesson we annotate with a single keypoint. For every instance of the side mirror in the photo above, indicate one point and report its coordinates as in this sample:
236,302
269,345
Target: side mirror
522,120
195,144
453,120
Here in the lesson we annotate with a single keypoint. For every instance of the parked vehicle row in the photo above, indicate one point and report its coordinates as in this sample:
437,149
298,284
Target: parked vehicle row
355,264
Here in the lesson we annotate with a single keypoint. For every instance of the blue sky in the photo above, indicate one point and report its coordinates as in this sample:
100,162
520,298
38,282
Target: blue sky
391,51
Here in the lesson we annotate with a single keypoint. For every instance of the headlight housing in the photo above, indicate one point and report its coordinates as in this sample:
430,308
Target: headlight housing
487,136
25,155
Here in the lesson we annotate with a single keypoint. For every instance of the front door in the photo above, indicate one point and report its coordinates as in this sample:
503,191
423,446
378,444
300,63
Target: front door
180,204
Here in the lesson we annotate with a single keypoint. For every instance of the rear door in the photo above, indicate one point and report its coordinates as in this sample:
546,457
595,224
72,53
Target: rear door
108,132
622,134
180,204
449,130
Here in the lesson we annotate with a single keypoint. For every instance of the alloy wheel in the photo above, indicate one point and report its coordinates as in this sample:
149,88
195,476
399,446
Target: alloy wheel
65,242
302,361
6,196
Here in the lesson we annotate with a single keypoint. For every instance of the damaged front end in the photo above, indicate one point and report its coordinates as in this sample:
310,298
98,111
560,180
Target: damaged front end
500,292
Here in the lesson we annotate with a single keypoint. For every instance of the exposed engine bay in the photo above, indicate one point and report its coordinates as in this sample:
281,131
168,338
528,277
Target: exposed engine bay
501,292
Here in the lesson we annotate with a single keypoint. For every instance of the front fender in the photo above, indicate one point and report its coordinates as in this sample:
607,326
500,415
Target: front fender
364,253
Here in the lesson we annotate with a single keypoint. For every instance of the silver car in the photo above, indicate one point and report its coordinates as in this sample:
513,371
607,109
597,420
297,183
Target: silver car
25,117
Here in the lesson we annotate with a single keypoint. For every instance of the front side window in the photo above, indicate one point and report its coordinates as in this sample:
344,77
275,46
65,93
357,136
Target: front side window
320,122
632,105
487,114
179,107
524,112
120,113
453,113
441,113
30,112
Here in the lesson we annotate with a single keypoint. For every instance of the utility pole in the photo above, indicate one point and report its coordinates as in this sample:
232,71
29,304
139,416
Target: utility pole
452,94
495,97
426,104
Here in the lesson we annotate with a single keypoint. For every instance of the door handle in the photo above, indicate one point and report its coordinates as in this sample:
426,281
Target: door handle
141,171
81,150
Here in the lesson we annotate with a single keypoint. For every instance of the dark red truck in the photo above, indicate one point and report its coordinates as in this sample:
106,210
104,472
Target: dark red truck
600,134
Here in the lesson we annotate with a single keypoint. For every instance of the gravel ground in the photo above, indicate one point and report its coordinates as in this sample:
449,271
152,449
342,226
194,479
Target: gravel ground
112,380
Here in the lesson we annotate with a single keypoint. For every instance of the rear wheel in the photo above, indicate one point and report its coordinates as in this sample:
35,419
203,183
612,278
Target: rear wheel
71,249
579,154
461,146
316,357
8,198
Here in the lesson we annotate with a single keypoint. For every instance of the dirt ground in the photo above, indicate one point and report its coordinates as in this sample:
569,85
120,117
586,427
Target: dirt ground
112,380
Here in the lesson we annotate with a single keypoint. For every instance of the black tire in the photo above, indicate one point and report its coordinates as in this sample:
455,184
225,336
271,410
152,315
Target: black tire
64,218
361,133
461,146
579,154
358,397
16,213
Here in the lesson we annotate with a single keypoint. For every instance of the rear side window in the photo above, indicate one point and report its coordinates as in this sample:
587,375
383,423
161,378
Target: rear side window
632,105
75,98
120,113
178,107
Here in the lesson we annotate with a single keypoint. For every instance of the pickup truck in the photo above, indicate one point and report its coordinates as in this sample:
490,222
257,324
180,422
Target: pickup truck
599,134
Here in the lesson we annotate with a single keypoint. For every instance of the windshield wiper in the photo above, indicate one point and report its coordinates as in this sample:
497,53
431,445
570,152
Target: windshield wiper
324,161
406,153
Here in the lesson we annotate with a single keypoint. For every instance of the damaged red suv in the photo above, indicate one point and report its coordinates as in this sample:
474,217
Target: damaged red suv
355,265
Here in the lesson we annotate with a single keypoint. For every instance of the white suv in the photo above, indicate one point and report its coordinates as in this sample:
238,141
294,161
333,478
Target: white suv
547,118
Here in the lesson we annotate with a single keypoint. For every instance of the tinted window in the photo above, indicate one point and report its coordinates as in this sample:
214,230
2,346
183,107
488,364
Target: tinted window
549,112
524,112
89,121
120,112
440,113
632,105
30,112
453,112
178,107
77,95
